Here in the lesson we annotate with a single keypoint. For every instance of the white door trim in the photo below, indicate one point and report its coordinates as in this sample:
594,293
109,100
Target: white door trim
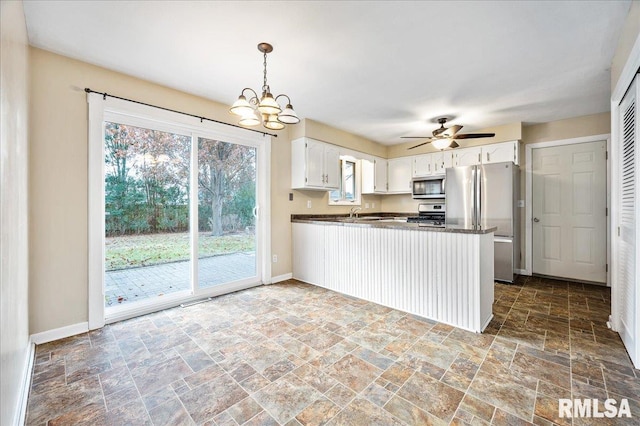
528,269
627,75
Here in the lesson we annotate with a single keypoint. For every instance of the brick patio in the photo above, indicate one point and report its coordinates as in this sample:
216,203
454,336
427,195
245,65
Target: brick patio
136,284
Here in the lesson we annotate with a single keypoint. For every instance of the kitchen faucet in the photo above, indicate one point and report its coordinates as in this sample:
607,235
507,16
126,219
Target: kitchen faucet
354,210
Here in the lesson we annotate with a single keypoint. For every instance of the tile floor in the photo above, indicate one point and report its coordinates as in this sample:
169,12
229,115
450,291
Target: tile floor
296,354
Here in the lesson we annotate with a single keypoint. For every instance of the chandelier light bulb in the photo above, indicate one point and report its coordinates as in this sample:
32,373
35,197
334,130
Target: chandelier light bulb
288,116
268,105
241,107
273,123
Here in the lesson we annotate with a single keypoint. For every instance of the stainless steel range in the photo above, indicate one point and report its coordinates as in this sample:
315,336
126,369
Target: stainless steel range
430,214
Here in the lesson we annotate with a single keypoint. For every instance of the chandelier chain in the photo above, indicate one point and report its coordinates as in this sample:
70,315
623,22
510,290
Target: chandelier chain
264,84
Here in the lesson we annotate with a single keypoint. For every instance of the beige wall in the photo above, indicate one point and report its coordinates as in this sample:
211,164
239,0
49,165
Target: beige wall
14,303
323,132
630,32
58,179
575,127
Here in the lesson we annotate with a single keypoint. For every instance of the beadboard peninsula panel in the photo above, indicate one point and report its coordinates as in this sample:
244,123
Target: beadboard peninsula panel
444,276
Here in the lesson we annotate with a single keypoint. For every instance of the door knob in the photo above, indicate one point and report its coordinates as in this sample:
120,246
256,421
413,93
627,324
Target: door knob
535,219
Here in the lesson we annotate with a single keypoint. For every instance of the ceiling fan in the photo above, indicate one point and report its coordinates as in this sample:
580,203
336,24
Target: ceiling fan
444,137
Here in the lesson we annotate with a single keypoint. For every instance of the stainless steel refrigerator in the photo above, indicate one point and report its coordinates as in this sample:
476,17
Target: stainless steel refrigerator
485,196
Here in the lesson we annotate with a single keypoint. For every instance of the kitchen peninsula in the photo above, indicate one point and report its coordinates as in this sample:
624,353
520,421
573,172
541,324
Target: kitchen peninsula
444,274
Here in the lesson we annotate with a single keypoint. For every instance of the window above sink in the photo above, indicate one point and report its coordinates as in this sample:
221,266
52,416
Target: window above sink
349,190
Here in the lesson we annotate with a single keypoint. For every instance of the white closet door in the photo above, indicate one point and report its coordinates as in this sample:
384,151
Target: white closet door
627,238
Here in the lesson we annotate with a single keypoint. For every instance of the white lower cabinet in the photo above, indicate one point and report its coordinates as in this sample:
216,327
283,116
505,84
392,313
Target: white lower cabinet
444,276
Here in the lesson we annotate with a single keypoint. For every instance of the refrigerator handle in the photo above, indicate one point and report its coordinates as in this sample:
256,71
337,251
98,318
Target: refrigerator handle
478,200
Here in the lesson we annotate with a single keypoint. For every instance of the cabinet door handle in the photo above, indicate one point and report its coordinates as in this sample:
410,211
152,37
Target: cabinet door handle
479,158
487,156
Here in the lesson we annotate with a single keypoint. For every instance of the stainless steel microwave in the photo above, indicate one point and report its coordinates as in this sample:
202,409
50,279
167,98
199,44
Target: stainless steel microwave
428,187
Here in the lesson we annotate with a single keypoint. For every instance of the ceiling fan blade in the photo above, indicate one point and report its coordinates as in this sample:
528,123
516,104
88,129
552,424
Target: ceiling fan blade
416,137
475,135
420,144
451,131
454,144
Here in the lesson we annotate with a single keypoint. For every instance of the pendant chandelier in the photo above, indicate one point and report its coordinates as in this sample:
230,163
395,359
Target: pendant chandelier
265,110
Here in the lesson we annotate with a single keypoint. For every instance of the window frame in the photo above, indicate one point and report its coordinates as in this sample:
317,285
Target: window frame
357,174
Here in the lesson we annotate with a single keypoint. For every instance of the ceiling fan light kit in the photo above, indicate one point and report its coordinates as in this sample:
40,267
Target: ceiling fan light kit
266,109
441,143
444,137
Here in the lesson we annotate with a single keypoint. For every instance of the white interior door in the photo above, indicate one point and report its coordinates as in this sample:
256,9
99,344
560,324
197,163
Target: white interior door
569,211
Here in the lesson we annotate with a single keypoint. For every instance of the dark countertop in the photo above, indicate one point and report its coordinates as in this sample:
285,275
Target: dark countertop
387,222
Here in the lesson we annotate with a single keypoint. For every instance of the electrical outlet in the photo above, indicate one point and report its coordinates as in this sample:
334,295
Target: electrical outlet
291,196
275,258
373,205
308,204
366,205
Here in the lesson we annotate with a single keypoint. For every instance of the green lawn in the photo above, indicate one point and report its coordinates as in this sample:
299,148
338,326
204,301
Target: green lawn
151,249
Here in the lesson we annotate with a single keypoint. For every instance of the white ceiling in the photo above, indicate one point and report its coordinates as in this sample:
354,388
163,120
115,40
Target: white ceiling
379,69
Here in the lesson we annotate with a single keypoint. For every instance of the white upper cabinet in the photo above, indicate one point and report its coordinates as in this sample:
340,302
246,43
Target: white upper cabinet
374,176
422,165
331,166
500,152
399,177
314,165
487,154
432,164
441,161
467,156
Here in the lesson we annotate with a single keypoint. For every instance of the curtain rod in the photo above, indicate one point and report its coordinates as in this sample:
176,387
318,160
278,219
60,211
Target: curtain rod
105,94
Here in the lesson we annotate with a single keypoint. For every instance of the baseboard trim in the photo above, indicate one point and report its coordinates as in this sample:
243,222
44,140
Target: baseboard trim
521,272
60,333
26,385
281,278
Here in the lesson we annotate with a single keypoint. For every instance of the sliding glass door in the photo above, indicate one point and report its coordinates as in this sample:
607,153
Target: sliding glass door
180,216
147,250
226,212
